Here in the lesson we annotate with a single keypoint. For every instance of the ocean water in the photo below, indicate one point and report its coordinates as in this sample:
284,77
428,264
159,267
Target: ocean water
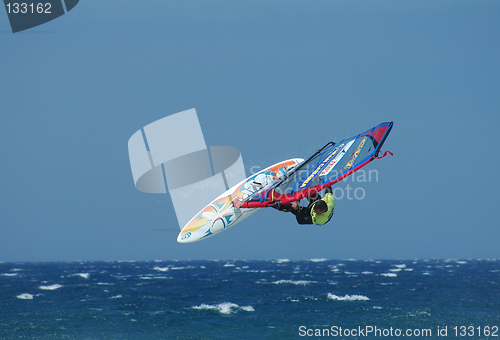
281,299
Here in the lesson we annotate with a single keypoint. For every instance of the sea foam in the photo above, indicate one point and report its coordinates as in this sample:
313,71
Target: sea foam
51,287
161,269
282,260
83,275
294,282
225,307
25,296
347,297
389,274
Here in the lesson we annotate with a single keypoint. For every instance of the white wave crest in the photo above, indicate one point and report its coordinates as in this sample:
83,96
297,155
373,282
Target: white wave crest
180,268
9,274
225,307
51,287
116,296
83,275
389,274
153,277
294,282
161,269
25,296
318,260
282,260
348,297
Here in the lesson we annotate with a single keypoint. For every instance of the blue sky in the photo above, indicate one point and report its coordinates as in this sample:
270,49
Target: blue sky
276,80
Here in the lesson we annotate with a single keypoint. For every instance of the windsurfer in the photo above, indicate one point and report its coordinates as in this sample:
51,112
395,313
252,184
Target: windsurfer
319,210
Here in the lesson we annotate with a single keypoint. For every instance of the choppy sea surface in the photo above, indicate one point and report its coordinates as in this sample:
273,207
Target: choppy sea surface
281,299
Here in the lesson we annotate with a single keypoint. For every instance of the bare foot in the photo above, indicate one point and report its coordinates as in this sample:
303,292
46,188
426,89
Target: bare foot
295,206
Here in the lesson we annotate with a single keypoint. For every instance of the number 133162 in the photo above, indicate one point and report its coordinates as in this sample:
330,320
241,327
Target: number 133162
465,331
23,8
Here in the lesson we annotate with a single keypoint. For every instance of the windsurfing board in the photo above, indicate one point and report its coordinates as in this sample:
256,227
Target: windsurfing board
221,214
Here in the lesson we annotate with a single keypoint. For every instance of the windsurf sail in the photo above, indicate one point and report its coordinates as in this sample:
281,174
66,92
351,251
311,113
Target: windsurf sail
327,166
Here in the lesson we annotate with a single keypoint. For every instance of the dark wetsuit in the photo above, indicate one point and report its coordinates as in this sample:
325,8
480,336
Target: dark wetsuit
303,215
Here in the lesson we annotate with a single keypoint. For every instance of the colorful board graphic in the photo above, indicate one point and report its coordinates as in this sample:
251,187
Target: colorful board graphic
225,211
